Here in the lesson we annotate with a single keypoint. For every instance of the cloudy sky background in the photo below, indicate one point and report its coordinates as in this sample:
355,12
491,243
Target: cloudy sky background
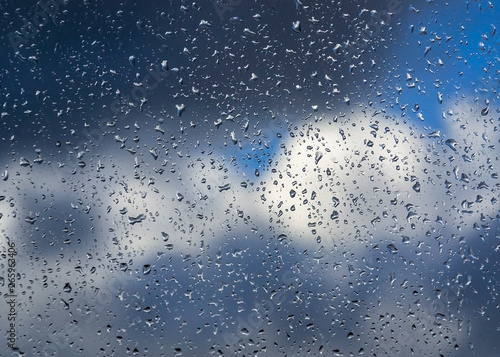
219,260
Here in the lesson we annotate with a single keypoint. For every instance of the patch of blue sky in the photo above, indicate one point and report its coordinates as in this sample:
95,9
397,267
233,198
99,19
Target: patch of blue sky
446,59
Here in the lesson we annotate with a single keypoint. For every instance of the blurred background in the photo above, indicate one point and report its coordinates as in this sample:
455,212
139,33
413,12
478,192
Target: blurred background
250,178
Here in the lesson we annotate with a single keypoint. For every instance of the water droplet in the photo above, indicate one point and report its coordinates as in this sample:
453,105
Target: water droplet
451,143
296,26
24,162
180,109
318,157
164,65
392,248
67,288
137,219
249,32
154,153
30,220
224,187
131,60
205,23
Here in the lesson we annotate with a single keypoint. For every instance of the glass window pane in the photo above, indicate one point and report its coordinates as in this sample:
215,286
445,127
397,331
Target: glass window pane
264,178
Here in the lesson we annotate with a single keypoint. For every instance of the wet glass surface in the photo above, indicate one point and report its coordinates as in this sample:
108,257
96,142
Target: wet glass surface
249,178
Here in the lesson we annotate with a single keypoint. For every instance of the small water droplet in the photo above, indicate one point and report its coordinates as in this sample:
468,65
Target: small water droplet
67,288
451,143
131,60
180,109
24,162
224,187
137,219
392,248
296,26
318,157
